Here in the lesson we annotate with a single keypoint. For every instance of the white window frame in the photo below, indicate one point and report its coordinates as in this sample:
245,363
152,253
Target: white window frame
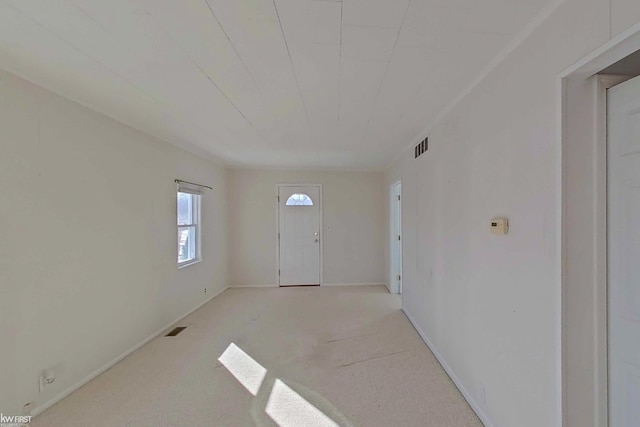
303,201
197,224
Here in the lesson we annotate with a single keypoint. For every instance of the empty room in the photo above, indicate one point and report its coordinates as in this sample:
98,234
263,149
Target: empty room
320,213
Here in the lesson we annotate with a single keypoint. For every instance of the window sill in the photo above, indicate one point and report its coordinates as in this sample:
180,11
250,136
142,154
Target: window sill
188,263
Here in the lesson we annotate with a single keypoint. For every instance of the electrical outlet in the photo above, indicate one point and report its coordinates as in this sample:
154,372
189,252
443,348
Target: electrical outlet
205,290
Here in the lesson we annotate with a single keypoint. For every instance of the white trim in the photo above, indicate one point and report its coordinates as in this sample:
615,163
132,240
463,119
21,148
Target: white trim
253,286
277,236
41,408
390,243
324,284
244,167
608,54
600,266
601,373
560,297
467,396
357,284
401,230
188,263
393,288
320,226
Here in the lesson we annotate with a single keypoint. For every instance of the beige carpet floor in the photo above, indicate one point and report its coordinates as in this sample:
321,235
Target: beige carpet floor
291,357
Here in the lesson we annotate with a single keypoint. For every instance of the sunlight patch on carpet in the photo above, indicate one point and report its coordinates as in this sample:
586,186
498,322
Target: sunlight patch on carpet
244,368
288,409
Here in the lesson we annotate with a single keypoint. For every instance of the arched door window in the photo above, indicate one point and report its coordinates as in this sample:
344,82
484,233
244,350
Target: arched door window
299,199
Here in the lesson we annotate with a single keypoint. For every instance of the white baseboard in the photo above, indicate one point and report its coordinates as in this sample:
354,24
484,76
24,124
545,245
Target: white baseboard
354,284
468,397
41,408
324,284
253,286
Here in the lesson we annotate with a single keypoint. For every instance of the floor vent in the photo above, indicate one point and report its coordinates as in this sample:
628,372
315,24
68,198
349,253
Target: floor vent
176,331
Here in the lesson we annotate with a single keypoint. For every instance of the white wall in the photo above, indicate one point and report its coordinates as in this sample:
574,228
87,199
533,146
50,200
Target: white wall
88,240
488,305
354,225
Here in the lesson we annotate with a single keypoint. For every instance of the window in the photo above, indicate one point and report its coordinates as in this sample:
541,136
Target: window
188,228
299,199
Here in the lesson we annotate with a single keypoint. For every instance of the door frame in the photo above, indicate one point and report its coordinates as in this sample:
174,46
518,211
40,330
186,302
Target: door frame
581,233
320,227
619,80
395,289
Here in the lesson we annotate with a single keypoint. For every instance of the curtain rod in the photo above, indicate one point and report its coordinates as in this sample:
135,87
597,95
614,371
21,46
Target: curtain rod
192,183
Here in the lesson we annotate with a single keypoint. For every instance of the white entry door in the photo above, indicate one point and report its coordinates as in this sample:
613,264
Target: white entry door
299,219
624,253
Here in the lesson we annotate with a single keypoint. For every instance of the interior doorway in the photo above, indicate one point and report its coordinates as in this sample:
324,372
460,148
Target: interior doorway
299,235
623,237
598,283
395,258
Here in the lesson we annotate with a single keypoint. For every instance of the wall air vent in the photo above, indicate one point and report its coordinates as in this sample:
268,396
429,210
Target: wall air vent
421,148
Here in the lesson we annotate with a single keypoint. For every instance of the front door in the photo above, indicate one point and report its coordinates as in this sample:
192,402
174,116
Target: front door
624,253
299,235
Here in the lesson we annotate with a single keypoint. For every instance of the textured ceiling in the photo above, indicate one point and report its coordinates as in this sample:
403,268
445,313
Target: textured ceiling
264,83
